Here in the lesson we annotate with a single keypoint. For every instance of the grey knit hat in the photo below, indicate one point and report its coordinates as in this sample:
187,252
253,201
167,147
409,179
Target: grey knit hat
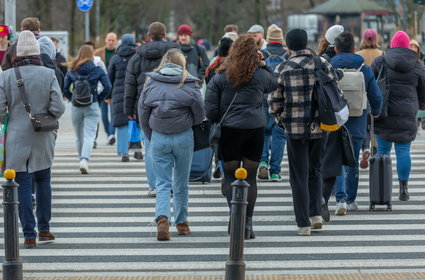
27,44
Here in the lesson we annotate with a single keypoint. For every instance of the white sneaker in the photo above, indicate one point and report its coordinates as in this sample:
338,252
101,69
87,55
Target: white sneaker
341,208
84,166
152,193
316,222
353,206
304,231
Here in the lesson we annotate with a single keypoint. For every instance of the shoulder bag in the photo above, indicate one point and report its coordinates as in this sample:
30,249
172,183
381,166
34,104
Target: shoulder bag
215,133
43,122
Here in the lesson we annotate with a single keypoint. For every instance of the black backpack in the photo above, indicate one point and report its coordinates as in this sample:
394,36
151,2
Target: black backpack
82,96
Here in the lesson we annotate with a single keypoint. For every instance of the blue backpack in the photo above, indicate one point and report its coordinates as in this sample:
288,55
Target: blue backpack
273,60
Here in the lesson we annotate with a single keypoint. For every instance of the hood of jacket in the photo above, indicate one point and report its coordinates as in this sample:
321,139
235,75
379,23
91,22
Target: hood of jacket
171,73
347,60
154,50
401,59
86,68
47,47
126,50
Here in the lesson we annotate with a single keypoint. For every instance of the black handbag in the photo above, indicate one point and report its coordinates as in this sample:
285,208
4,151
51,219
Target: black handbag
384,86
215,133
43,122
348,158
201,135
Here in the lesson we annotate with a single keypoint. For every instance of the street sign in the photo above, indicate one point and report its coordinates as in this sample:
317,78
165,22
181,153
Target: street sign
84,5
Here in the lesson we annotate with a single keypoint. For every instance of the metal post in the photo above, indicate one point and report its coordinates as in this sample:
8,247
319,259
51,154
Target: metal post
235,266
97,21
10,14
87,17
12,267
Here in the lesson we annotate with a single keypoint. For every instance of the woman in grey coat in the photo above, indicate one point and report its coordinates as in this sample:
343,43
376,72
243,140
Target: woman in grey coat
28,152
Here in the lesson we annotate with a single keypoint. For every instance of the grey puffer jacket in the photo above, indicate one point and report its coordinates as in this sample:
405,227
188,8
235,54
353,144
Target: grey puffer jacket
167,108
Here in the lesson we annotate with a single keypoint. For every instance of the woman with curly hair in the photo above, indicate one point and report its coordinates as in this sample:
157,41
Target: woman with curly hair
243,78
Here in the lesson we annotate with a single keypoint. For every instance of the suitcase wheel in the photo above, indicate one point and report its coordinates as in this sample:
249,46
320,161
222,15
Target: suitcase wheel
372,207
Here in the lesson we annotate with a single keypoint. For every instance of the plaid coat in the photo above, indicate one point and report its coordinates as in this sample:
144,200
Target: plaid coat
290,103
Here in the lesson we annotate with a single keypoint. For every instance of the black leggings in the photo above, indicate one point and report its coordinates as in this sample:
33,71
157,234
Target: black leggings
241,146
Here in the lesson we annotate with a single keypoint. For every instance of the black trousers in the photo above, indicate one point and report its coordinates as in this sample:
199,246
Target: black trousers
305,177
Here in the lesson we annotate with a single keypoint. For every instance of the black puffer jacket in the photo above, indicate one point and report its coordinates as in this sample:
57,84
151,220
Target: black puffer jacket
407,94
146,59
247,111
116,72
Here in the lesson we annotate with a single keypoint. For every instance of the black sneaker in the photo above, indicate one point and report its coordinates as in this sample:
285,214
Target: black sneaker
94,145
326,215
111,139
125,158
217,173
138,155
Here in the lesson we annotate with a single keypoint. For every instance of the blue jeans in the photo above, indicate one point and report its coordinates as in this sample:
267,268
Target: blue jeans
107,125
172,158
277,136
347,184
122,140
150,170
84,121
43,199
402,152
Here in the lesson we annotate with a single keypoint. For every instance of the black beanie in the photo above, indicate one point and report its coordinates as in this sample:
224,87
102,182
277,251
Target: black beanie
296,39
224,46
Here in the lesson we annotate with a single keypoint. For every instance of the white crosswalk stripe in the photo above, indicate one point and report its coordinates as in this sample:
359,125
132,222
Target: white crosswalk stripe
103,223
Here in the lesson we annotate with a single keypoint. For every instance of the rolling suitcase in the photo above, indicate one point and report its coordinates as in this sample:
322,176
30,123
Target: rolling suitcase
201,168
380,178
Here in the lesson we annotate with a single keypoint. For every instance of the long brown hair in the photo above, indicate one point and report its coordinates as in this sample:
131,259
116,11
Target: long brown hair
242,61
85,54
322,46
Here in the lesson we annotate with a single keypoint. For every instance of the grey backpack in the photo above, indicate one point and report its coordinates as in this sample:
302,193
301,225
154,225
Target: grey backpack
354,89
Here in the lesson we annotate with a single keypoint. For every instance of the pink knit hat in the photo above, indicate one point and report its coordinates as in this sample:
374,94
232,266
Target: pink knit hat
370,35
400,39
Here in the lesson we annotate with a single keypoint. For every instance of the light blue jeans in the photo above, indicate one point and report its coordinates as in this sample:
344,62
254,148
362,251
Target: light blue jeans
172,158
122,140
84,121
402,152
274,140
150,170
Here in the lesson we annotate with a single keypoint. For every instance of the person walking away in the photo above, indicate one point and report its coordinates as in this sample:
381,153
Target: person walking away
290,104
116,73
196,56
369,51
106,53
274,136
327,44
146,59
238,87
59,58
258,32
169,106
4,40
47,54
406,95
28,152
84,76
414,45
347,185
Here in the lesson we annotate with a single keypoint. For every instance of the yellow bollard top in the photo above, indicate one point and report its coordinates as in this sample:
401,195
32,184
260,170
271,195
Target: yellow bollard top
241,173
9,174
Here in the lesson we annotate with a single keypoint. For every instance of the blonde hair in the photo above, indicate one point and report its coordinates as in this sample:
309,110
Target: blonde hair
174,56
85,54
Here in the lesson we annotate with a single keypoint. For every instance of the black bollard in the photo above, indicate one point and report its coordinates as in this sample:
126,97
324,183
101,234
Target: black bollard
12,267
235,266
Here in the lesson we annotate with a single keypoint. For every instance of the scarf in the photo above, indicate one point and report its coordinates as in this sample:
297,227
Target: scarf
214,65
27,60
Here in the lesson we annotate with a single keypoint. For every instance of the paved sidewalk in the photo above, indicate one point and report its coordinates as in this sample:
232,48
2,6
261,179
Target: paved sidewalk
359,276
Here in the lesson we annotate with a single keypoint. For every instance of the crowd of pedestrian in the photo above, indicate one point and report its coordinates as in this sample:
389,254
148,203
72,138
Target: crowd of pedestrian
262,90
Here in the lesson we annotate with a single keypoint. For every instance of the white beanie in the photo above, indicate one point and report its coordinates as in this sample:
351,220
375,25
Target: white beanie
27,44
332,33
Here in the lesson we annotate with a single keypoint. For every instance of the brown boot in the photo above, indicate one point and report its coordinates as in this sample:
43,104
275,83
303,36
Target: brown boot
45,236
183,228
29,243
163,229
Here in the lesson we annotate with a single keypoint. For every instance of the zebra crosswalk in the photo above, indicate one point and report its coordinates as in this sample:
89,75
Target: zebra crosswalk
103,224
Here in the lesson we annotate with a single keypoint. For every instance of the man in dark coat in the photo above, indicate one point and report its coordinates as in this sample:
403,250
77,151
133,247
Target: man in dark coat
146,59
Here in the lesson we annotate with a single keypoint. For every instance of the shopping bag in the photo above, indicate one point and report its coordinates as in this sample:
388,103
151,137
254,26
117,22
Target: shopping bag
3,128
134,141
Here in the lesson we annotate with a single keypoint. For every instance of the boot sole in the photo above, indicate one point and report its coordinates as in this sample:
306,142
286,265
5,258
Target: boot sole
163,236
84,171
45,239
30,246
263,173
341,212
317,226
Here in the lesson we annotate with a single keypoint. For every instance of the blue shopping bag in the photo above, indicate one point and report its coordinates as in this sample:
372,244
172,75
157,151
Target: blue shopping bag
134,140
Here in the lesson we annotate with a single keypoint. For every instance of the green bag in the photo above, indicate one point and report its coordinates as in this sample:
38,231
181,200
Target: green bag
2,146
